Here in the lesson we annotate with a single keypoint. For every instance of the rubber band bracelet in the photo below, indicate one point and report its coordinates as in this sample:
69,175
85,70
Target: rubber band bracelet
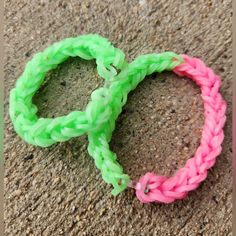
98,119
152,187
46,131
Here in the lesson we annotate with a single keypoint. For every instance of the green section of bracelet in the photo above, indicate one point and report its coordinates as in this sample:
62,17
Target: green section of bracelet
98,119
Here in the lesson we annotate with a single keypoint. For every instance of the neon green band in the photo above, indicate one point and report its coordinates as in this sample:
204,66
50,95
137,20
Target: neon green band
46,131
116,97
98,119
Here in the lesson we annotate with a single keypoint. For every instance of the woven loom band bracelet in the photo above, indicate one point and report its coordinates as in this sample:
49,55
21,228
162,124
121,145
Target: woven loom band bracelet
46,131
155,188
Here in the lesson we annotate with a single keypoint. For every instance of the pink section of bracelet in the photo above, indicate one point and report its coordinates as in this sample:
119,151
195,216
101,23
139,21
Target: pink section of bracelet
155,188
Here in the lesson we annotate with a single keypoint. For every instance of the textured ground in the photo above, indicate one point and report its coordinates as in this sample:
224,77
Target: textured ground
58,190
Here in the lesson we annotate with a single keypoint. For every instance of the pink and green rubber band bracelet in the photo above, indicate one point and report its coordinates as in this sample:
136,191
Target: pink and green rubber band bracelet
98,119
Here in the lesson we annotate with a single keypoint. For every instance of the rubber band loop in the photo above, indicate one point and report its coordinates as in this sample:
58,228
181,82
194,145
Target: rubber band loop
46,131
116,96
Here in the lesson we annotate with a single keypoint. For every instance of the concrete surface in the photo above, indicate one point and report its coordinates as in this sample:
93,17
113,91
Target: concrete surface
58,190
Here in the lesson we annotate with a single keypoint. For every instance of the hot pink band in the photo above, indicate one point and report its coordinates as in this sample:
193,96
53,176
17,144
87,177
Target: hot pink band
155,188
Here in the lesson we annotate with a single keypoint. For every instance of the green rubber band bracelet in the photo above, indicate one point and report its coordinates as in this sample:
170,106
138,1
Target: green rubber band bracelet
98,119
116,94
47,131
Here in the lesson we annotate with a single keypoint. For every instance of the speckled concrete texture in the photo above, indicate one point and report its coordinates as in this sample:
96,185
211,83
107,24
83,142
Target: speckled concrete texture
58,190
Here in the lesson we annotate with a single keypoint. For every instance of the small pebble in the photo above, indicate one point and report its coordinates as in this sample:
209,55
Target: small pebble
29,157
63,83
